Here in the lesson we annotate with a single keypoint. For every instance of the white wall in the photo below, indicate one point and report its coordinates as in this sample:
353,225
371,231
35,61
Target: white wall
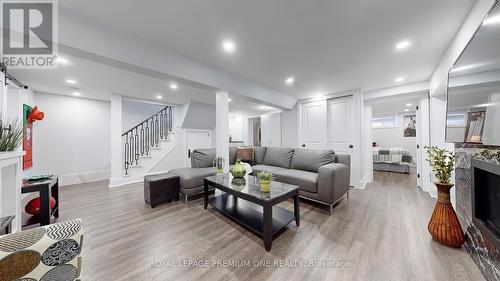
199,116
237,127
135,112
290,128
271,129
72,140
438,81
394,137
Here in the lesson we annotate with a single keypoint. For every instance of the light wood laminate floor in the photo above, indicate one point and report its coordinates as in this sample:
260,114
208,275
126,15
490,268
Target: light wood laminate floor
381,232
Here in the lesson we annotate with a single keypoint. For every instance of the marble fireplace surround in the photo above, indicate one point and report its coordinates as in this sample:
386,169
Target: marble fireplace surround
483,251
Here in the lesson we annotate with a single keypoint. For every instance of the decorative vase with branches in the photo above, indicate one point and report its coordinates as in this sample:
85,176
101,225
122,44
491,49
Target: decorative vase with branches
444,226
11,135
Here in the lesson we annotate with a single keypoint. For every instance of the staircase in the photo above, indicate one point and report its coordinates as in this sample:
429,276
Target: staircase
140,142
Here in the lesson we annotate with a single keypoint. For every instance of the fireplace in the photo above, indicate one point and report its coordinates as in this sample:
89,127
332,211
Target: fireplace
486,199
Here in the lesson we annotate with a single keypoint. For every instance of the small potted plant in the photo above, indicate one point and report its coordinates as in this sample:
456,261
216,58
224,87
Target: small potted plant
444,226
239,170
10,135
265,179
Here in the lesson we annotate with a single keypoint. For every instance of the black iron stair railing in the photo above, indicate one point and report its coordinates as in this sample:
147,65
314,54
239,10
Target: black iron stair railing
139,140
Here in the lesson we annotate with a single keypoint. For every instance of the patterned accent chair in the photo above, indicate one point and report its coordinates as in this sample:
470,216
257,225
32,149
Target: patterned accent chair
44,253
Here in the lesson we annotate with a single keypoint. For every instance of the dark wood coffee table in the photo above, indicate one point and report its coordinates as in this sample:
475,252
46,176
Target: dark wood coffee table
257,210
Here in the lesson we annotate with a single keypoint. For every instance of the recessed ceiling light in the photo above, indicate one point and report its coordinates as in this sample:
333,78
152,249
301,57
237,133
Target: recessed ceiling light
406,110
408,104
229,100
492,20
289,81
399,79
70,81
62,60
76,93
174,86
402,45
159,97
228,46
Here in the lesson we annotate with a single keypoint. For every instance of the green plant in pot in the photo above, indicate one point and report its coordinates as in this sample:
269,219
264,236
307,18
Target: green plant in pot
265,179
238,170
444,226
11,135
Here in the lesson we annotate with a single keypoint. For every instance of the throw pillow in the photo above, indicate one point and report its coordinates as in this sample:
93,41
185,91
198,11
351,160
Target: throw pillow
245,154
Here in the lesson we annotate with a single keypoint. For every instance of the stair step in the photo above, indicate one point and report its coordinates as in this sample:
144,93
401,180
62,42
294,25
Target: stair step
135,166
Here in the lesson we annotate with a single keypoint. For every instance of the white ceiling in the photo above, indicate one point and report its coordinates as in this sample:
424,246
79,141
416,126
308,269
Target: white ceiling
99,81
328,46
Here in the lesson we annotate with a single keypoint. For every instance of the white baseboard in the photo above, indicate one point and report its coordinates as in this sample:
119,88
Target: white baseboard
80,178
124,181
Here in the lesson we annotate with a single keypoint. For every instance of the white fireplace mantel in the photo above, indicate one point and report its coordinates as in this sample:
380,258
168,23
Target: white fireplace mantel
10,186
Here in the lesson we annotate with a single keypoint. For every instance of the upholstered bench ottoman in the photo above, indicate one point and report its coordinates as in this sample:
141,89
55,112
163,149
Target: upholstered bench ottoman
161,188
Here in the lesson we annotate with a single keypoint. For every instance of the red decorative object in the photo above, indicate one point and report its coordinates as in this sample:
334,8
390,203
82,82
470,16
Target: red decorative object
33,206
35,114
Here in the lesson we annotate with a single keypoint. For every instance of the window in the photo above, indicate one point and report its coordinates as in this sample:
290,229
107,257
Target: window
456,119
384,121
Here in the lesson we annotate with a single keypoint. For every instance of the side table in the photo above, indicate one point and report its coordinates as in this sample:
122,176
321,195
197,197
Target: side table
46,189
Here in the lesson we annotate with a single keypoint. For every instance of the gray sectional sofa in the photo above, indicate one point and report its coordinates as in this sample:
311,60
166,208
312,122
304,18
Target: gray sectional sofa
322,175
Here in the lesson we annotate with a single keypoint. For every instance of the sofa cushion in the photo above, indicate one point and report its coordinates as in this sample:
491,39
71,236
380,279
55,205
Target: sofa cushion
260,153
280,157
259,168
310,160
245,154
307,181
202,158
192,177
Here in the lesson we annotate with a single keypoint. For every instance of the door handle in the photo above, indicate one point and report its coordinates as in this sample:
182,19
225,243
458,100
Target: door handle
303,145
351,146
189,153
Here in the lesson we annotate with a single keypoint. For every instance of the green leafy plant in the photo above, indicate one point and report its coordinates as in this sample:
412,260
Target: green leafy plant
11,135
265,176
442,162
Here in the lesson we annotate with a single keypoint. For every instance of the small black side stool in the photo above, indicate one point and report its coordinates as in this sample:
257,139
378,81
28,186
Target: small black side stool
161,188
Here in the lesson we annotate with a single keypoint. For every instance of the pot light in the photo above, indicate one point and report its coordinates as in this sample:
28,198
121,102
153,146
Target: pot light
289,81
62,60
229,100
402,45
159,97
492,20
76,93
70,81
174,86
406,110
228,46
408,104
399,79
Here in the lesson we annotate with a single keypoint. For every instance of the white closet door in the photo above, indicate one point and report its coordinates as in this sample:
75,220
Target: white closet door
314,125
341,126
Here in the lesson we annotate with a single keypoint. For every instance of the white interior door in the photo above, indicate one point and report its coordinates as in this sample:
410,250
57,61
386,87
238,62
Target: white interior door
341,127
314,125
196,140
